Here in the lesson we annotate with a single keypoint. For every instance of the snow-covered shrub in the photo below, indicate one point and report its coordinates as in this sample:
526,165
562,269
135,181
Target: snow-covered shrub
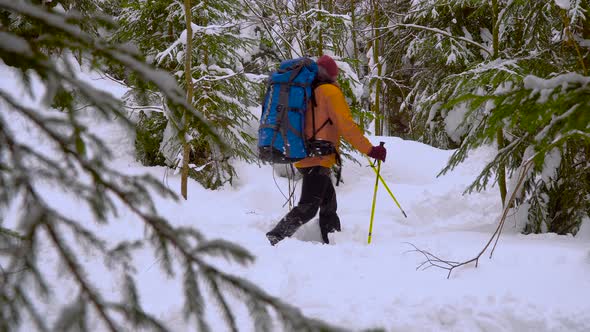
512,74
559,201
546,122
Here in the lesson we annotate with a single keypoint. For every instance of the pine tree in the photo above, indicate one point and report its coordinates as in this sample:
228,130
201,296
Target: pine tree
511,73
78,162
222,90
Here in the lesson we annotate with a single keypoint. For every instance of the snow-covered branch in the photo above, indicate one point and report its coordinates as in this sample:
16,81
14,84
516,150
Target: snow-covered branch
437,31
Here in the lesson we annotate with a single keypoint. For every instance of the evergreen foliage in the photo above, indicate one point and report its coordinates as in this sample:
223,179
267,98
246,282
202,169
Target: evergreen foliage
396,71
550,128
222,91
432,41
523,79
78,162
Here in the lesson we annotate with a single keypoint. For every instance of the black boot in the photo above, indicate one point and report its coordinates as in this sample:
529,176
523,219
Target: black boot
274,239
285,228
329,222
325,230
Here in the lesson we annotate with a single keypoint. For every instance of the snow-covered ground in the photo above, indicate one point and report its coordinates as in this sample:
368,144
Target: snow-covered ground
532,283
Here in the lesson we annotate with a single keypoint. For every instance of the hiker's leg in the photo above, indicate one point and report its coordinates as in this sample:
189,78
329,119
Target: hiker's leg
329,221
312,190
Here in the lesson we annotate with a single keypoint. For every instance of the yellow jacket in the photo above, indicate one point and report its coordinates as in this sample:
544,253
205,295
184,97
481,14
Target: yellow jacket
332,105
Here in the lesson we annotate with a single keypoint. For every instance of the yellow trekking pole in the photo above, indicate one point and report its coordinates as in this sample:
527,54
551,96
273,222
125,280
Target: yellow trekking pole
374,197
388,190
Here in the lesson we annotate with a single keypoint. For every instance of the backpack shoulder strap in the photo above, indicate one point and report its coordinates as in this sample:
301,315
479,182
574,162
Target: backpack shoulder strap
314,86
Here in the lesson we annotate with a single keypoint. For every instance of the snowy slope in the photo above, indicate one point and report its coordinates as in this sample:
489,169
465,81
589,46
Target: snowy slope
533,283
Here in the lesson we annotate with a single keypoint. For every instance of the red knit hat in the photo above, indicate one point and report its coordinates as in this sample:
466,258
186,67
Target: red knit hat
329,65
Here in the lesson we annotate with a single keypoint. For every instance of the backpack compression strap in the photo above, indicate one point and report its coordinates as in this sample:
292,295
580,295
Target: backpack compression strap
283,104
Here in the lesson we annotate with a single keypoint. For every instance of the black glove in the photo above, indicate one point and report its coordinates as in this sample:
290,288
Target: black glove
378,152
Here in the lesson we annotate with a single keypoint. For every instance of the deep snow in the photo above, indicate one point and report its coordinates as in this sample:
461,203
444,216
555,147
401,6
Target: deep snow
532,283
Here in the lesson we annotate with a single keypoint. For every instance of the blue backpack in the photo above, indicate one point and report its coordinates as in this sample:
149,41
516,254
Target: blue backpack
281,134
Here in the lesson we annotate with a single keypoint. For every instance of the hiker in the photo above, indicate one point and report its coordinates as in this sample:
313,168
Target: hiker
331,115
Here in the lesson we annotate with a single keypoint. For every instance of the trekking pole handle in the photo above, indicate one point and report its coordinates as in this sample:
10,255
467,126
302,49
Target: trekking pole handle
380,144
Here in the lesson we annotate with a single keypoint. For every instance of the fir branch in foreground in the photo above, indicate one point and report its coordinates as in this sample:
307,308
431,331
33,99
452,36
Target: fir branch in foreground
85,175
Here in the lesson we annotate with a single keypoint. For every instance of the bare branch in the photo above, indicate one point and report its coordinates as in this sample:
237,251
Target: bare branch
433,261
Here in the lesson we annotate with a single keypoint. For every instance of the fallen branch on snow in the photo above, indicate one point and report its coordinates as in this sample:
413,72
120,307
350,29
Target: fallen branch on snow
432,260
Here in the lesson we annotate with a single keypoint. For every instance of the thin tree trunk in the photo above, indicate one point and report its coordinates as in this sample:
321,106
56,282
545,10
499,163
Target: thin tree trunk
355,47
377,62
500,132
337,46
307,30
284,9
189,97
170,32
355,50
496,29
204,48
320,33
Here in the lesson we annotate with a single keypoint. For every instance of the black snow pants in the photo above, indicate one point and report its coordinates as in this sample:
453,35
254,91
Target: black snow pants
317,192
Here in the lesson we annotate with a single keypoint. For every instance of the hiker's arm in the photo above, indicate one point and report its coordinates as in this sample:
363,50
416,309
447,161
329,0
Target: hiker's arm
340,113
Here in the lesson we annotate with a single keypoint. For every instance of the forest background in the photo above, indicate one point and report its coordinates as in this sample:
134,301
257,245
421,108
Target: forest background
457,75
